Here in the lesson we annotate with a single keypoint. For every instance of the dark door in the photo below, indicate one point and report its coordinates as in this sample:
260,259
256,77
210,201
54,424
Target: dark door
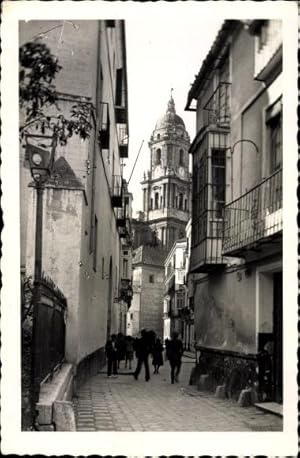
277,320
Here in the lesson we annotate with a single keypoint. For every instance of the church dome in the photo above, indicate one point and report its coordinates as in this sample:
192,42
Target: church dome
170,118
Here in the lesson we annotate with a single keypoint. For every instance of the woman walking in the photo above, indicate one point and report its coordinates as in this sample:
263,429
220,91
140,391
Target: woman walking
129,351
157,354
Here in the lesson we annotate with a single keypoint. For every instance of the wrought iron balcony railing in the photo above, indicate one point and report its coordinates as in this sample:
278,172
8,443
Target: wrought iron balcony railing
217,109
254,217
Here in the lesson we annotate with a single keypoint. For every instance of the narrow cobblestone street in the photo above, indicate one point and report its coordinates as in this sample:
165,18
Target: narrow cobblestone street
124,404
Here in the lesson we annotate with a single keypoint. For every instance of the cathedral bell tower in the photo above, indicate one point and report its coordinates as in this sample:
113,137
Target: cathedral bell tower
167,185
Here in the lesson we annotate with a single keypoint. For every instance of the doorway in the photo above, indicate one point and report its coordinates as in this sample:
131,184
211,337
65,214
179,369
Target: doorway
277,323
270,333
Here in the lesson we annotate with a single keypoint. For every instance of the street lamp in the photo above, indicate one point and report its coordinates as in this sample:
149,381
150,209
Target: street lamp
41,163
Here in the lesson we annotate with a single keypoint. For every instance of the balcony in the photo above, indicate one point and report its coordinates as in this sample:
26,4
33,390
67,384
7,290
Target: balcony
170,285
126,291
255,218
216,112
117,191
125,230
122,133
207,256
207,232
121,218
121,110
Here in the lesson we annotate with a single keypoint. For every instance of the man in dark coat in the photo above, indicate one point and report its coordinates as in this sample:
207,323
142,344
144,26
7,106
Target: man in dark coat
143,349
174,354
111,355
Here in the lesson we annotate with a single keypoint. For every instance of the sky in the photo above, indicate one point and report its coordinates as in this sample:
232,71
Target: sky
161,55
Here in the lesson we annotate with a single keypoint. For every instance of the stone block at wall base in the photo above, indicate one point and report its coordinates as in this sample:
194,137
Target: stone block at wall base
221,392
43,428
195,375
245,398
204,383
56,389
234,370
64,416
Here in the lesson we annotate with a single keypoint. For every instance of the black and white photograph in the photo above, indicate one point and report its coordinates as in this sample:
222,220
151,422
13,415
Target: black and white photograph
149,247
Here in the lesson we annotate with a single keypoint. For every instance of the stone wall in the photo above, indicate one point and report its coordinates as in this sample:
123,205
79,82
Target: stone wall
152,299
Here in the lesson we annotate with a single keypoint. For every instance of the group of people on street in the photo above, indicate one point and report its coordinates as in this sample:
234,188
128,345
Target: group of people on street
122,348
118,348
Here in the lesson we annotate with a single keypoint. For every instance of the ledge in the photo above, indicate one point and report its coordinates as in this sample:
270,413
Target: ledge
58,389
226,352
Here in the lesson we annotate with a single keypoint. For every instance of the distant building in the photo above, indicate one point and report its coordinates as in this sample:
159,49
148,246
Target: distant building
146,311
175,290
83,231
166,208
188,312
236,247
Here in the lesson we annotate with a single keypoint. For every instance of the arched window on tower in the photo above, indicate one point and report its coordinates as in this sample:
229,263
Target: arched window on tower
185,204
158,156
181,157
180,201
158,136
156,200
169,154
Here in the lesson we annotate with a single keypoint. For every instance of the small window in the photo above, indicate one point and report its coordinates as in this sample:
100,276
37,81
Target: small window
276,143
170,153
156,200
158,157
180,201
151,278
151,204
158,136
181,157
119,82
125,268
218,172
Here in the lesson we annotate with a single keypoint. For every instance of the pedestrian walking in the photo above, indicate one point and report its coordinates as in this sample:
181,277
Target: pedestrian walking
121,348
111,355
174,354
167,341
129,351
157,353
142,351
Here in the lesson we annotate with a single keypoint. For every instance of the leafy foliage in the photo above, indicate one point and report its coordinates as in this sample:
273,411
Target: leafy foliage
27,298
38,94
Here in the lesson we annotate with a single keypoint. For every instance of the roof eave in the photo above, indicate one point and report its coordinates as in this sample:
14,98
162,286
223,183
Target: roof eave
224,33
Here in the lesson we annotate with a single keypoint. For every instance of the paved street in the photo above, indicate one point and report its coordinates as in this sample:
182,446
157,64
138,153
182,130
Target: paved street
123,404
